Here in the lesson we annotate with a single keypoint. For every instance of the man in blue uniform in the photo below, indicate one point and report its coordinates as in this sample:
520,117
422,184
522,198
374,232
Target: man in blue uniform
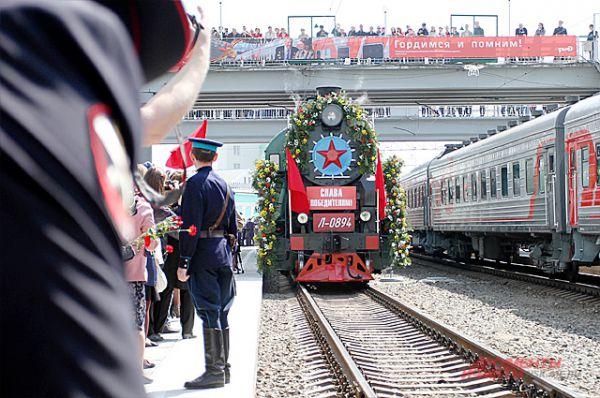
208,205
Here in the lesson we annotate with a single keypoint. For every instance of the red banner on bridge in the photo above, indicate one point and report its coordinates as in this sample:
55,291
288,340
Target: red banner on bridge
482,47
385,47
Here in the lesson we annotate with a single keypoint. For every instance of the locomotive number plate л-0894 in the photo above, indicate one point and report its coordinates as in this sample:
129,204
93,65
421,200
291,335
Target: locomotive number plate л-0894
333,222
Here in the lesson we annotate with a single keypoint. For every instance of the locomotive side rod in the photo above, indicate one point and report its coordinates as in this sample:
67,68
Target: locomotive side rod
349,368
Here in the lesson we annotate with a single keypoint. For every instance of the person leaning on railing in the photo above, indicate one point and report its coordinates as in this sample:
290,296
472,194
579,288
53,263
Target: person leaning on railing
477,30
540,31
591,42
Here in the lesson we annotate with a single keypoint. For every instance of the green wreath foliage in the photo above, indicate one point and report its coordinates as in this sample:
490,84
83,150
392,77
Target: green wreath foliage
395,211
360,130
267,183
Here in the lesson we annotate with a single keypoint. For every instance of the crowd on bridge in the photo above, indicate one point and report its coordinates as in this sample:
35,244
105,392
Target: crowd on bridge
271,33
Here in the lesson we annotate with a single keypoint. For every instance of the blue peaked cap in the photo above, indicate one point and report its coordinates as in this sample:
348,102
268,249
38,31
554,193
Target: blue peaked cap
203,143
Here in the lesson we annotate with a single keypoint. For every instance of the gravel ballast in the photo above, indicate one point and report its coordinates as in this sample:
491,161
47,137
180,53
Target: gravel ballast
279,360
522,322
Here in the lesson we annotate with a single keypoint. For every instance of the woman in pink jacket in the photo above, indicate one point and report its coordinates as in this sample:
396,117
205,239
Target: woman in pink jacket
135,269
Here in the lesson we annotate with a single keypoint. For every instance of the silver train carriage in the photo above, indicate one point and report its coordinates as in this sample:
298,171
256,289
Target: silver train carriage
533,187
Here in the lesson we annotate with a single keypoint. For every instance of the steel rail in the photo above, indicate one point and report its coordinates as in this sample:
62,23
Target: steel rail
350,370
491,359
522,276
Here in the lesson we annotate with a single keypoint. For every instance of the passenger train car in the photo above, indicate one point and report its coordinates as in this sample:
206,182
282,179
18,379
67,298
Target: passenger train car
533,187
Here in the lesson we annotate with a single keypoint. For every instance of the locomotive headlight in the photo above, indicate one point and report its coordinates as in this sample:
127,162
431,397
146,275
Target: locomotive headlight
332,115
365,215
302,218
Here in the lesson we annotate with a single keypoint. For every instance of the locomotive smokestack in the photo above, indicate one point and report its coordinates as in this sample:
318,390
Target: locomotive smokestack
324,90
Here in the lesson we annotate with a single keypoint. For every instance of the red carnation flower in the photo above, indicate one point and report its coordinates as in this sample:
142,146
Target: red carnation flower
193,230
169,249
147,241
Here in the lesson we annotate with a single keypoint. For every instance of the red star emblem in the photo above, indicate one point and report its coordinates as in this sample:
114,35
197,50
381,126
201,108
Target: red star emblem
332,155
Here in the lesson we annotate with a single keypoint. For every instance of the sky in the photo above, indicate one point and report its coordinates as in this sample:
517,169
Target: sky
577,14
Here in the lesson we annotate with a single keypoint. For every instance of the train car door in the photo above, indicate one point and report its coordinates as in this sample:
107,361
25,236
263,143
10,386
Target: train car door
552,201
574,188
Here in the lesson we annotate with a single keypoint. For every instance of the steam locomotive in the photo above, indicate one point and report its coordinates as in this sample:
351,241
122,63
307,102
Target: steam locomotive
338,239
534,188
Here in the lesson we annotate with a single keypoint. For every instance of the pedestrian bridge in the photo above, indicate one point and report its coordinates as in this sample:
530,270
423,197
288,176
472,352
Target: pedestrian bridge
230,92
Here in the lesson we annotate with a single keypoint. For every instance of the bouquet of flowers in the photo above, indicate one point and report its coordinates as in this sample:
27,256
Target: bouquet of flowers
169,225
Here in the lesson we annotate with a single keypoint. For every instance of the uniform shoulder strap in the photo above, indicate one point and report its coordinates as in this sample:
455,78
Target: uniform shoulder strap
220,218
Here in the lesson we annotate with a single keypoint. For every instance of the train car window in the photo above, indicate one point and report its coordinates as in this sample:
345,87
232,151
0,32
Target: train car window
542,174
444,192
529,185
585,167
551,163
493,187
474,186
573,180
483,179
504,181
516,177
450,192
457,189
465,189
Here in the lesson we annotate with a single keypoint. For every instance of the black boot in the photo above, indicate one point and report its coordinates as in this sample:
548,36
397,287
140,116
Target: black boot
226,352
214,375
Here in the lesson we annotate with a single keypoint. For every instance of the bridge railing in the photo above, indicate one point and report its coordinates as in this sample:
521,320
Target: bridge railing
378,112
482,111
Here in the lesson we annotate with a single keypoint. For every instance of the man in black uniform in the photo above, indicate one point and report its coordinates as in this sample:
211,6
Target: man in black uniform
208,205
70,75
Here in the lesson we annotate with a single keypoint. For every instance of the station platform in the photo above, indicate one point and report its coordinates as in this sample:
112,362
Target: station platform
178,361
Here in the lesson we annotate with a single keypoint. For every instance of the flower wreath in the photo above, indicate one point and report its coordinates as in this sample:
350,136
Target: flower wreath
395,211
267,183
360,129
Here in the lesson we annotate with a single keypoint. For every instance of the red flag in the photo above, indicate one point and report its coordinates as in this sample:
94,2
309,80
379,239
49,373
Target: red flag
175,160
380,187
299,200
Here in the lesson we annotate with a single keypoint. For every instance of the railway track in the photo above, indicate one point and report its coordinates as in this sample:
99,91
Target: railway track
379,347
582,292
